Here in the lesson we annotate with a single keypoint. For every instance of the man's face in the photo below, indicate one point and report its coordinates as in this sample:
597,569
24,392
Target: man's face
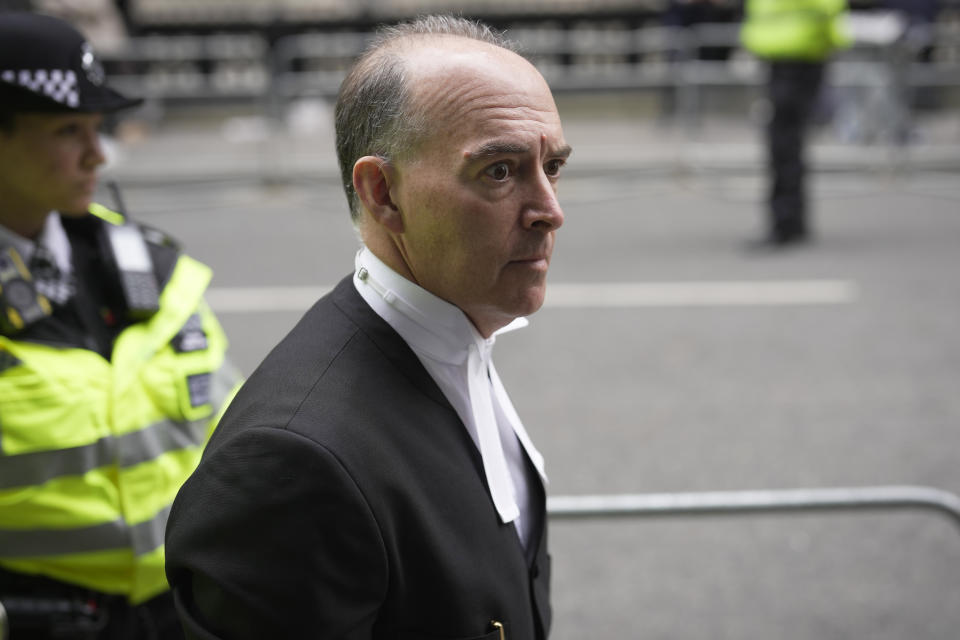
478,196
48,162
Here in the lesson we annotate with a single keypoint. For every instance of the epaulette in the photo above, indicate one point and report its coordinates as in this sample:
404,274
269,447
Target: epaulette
159,238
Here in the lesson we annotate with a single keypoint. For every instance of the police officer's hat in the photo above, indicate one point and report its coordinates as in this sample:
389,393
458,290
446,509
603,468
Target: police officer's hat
47,65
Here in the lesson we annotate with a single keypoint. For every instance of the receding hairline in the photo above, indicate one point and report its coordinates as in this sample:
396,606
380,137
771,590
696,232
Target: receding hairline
405,46
408,50
401,38
441,26
411,50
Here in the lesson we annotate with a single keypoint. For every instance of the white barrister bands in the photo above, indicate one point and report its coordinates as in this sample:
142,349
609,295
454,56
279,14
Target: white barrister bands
458,359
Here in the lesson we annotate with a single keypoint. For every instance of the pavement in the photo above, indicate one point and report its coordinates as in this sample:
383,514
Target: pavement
668,358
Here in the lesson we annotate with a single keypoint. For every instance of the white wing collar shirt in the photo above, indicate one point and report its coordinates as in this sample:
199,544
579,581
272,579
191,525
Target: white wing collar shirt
458,358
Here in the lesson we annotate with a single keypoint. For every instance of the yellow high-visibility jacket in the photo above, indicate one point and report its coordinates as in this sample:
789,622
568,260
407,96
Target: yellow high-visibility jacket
795,29
93,451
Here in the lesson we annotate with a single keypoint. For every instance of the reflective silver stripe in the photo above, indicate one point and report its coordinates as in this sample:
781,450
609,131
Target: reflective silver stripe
224,380
157,439
47,542
31,469
148,535
38,467
117,535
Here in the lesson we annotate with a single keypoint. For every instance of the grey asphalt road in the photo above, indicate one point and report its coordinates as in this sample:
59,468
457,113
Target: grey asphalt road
667,394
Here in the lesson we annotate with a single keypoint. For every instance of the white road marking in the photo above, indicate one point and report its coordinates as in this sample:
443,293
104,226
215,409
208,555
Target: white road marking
605,295
700,294
263,299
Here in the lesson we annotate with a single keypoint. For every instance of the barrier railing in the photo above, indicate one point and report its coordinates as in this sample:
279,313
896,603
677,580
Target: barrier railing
756,501
583,59
876,81
650,58
193,68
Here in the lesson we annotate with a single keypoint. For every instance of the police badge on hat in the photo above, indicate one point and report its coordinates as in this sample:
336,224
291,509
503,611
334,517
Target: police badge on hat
91,65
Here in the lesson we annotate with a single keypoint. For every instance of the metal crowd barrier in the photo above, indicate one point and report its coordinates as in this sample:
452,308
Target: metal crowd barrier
876,81
756,501
192,68
310,65
359,12
580,59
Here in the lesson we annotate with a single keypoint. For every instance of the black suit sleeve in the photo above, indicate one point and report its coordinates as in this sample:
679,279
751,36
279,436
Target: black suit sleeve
271,538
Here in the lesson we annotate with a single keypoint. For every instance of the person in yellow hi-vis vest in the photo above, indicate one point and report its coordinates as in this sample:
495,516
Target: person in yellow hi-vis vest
113,370
796,37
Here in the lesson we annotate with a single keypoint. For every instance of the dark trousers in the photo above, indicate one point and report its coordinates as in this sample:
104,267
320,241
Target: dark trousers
43,609
793,88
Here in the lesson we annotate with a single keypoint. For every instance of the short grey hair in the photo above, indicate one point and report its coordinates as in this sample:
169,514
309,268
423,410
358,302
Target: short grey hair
375,115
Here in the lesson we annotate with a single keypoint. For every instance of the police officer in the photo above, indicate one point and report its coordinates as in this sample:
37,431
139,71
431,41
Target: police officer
796,37
112,367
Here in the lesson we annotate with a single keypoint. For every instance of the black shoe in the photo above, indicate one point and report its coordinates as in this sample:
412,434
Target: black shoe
778,241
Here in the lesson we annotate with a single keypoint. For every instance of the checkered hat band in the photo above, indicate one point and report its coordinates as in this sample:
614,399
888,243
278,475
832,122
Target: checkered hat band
57,84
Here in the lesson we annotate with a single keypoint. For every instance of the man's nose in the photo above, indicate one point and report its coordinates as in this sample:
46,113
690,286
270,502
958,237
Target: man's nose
543,209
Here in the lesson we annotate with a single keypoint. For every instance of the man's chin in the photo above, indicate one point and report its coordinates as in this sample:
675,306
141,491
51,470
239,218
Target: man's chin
531,301
501,311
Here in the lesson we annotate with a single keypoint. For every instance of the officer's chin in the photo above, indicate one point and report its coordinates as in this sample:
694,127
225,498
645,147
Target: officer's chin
77,208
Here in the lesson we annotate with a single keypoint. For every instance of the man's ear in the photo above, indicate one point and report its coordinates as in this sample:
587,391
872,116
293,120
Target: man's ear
372,182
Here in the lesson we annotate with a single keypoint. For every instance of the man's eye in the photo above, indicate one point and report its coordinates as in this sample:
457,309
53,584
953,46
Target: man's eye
499,171
553,167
